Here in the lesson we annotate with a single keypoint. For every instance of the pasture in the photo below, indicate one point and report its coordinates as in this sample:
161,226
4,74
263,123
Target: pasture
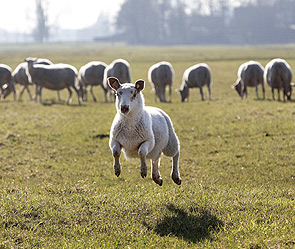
58,188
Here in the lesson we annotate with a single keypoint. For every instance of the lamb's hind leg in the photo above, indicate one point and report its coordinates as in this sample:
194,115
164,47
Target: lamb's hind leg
156,173
175,171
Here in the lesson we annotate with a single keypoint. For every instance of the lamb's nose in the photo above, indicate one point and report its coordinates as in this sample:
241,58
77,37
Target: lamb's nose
124,109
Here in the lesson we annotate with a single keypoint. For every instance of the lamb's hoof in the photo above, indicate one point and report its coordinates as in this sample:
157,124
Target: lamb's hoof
177,180
143,174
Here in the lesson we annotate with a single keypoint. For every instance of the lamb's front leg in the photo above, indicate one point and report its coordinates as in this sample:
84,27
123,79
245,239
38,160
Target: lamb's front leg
116,150
143,150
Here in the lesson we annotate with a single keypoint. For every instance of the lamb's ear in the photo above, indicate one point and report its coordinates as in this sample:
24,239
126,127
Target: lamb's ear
139,85
114,83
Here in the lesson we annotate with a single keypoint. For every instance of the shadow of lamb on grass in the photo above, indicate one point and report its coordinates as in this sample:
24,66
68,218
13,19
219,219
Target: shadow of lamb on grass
194,226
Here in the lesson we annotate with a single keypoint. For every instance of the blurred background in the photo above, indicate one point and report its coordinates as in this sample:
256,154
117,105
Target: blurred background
149,22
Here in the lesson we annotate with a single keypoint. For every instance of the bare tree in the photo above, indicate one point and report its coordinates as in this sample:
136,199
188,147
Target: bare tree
41,31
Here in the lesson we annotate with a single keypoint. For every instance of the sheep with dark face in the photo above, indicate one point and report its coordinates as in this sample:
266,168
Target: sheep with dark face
161,75
6,82
53,77
19,76
91,75
278,75
120,69
198,75
250,74
141,131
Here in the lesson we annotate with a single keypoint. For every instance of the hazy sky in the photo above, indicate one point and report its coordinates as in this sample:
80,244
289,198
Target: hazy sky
19,15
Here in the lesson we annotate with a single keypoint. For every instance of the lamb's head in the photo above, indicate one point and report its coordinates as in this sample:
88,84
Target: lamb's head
129,99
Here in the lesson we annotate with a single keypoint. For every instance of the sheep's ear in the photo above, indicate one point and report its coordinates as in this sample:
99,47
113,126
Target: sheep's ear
233,86
139,85
114,83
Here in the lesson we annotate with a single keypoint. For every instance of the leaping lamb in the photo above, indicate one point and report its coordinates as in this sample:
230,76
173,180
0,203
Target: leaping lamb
141,131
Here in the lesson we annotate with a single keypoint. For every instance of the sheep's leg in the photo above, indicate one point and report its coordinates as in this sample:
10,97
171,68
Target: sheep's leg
85,93
78,94
142,152
170,94
273,94
36,93
209,92
21,93
263,91
116,151
40,94
91,91
256,89
105,94
175,171
70,96
279,97
58,96
201,92
156,173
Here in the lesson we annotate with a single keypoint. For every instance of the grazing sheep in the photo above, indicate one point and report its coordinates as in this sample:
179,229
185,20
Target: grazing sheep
53,77
91,74
249,74
198,75
120,69
19,76
278,74
6,82
141,131
161,75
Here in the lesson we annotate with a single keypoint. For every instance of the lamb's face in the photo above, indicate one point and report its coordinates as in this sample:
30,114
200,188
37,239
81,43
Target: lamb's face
128,97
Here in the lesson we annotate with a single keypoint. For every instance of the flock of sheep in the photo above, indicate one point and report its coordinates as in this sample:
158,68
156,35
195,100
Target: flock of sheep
43,73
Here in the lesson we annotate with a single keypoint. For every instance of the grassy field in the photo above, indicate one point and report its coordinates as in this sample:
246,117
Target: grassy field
58,188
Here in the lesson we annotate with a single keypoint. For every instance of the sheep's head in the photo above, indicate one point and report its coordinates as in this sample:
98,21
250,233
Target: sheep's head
128,96
288,91
184,93
238,87
6,90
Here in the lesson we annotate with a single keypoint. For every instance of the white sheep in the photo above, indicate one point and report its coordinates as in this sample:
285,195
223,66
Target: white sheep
53,77
19,76
198,75
141,131
120,69
91,74
250,74
161,75
278,74
6,82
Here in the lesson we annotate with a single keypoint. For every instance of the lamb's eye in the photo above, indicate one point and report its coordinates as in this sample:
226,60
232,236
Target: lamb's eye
119,93
131,92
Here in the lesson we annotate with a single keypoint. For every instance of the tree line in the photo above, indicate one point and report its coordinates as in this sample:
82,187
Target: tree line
171,22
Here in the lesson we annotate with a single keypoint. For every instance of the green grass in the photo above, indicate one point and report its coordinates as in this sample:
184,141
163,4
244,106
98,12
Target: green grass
58,188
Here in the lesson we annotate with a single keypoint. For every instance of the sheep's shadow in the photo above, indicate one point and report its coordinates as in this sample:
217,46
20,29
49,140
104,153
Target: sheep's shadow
194,226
